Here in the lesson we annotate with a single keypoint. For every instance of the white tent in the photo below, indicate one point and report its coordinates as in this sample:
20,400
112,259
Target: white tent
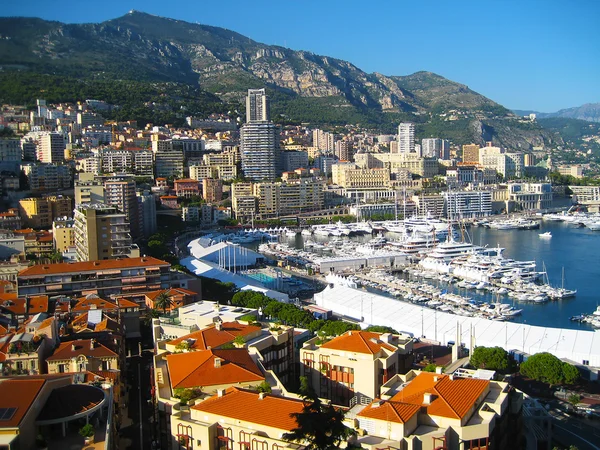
577,345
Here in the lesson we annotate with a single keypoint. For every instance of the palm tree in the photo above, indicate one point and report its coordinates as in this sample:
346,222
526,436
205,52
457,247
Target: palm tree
163,301
150,314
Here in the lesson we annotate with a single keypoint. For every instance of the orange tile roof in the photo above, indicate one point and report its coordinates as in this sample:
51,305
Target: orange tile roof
451,397
37,304
85,304
271,411
82,347
211,337
91,266
359,342
390,411
124,303
19,393
194,369
171,292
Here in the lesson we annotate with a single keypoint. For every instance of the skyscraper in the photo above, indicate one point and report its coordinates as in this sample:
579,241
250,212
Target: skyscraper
406,137
257,106
259,140
435,148
51,148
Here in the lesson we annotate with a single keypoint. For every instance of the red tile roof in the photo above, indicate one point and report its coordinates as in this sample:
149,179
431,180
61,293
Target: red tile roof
82,347
211,337
37,304
194,369
271,411
450,397
89,266
86,303
171,292
359,342
390,411
19,393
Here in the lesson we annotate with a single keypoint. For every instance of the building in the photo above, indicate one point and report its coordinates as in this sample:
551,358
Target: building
187,188
290,197
203,171
47,177
10,151
529,196
212,190
243,201
468,204
102,232
259,140
11,244
36,212
63,234
355,363
88,191
235,416
344,150
510,165
470,175
406,137
435,148
257,106
131,276
10,220
576,171
587,195
147,213
294,159
179,297
349,175
431,411
261,156
51,148
412,162
470,153
323,140
121,193
61,206
82,355
169,163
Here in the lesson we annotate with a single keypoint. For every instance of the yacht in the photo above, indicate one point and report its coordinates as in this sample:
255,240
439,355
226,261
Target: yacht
546,235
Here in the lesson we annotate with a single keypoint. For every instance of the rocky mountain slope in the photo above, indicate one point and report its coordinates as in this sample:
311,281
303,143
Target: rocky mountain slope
589,112
305,87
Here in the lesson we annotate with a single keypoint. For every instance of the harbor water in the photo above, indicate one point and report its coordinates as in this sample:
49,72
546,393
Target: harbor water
574,251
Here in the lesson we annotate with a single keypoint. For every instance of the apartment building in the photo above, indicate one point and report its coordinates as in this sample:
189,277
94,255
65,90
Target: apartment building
212,190
51,148
293,196
428,411
243,201
529,196
351,176
47,177
10,220
82,355
169,163
466,174
187,188
116,161
415,164
11,244
121,193
88,191
293,160
36,212
470,153
435,148
406,137
10,151
576,171
468,204
37,243
63,234
129,276
355,363
102,232
147,212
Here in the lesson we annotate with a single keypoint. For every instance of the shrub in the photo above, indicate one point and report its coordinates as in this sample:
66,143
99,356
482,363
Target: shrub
87,430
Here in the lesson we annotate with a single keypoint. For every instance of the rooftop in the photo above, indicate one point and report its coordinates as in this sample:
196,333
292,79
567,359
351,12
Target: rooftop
248,406
359,342
390,411
213,338
212,367
70,349
88,266
71,400
16,397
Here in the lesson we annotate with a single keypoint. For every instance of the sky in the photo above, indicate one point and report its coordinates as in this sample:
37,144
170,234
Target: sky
541,55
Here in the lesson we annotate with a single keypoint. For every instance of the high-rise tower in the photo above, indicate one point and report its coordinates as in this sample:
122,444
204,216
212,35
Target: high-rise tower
406,137
259,140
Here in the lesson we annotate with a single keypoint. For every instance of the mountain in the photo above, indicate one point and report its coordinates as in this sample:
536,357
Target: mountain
589,112
141,53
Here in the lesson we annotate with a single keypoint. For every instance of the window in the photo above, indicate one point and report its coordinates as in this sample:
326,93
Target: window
61,368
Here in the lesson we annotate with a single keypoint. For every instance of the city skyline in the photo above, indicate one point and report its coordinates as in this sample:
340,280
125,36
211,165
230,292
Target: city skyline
534,56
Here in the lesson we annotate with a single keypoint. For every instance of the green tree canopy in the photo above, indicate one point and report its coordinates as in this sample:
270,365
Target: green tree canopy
163,301
320,425
490,358
381,329
548,368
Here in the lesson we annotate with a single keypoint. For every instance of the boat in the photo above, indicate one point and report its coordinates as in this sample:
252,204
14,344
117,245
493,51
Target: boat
546,235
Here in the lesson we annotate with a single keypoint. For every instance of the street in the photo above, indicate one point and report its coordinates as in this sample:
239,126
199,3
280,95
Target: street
568,430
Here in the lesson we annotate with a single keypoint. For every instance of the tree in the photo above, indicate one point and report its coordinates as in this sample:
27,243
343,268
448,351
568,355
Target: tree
574,399
164,301
264,387
319,425
491,358
150,314
381,329
548,369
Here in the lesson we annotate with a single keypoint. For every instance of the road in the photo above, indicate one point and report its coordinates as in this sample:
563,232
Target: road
568,430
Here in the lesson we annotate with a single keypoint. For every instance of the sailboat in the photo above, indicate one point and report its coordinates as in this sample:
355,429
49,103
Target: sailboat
562,292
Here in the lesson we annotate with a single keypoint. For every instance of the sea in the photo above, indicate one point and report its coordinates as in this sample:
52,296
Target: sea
571,258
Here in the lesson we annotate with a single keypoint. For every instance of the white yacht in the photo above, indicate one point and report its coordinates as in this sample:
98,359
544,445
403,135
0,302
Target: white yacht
546,235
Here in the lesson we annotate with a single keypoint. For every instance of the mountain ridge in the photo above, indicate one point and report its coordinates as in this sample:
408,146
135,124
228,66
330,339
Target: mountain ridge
304,85
589,112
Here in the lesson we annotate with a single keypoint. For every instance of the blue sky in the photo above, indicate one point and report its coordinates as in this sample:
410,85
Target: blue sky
540,55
